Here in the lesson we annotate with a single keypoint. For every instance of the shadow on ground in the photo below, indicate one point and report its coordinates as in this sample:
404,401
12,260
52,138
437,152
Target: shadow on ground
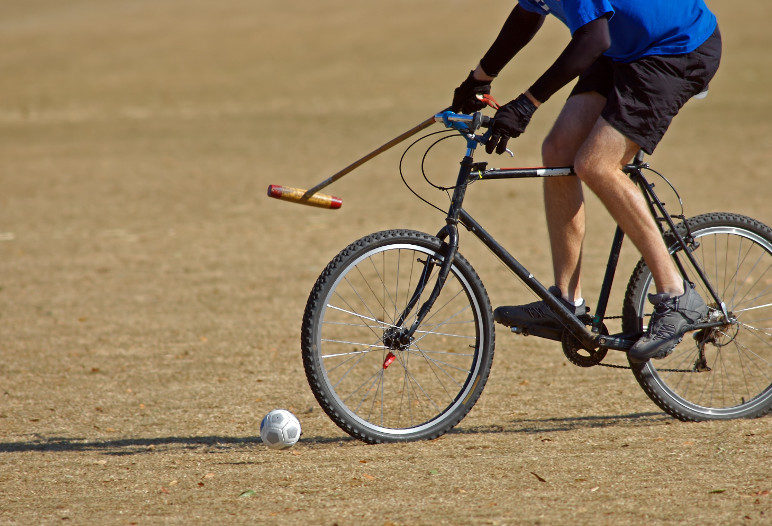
213,444
553,425
128,446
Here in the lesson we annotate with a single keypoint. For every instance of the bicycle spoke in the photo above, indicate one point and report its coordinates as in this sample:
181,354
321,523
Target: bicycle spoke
447,352
728,379
379,381
754,308
761,340
375,377
446,334
410,281
344,323
373,346
440,361
431,367
767,290
336,384
377,299
748,274
441,324
737,270
749,353
362,299
360,316
726,262
396,287
411,377
762,330
383,284
742,368
743,300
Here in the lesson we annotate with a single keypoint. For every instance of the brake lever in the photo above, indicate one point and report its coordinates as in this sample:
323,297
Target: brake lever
482,139
488,99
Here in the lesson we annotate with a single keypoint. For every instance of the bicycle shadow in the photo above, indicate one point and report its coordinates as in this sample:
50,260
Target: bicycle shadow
126,446
530,426
224,444
134,446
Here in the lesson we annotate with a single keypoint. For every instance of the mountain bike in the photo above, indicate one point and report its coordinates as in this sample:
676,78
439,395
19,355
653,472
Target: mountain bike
398,332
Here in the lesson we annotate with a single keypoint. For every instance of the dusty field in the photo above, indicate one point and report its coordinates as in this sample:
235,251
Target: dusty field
151,295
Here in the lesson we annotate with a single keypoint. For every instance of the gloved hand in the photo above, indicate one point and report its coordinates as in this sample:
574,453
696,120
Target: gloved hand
465,96
510,121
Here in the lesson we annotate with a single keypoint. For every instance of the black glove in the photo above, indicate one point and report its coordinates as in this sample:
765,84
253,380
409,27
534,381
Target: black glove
510,121
465,96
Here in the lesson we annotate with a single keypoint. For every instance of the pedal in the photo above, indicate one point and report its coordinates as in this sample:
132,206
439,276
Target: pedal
549,333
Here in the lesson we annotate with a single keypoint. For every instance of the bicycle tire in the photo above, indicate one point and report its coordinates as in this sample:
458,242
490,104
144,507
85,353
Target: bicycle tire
333,331
735,251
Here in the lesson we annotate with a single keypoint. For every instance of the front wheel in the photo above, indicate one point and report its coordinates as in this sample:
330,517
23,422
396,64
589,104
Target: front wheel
724,372
374,384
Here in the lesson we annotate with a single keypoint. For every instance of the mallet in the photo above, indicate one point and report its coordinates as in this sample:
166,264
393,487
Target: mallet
312,198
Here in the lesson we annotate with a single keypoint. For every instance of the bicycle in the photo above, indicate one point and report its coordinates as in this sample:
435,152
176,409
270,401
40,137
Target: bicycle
398,332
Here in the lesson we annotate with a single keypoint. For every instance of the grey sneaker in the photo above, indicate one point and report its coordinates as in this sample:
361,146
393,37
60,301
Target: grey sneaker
537,313
668,323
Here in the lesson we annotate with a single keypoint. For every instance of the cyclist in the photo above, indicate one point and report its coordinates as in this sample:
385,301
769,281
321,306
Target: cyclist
638,63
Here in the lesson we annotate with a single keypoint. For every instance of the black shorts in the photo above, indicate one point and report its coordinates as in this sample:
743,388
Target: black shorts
643,96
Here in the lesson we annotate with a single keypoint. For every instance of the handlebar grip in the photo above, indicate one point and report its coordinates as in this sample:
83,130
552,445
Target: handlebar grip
298,195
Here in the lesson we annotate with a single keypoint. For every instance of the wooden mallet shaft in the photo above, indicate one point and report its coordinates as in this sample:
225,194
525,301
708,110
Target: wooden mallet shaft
298,195
311,196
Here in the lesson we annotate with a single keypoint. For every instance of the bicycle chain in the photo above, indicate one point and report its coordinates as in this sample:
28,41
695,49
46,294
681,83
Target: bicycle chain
615,366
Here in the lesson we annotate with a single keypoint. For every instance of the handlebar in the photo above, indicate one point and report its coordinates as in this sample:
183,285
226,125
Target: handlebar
471,122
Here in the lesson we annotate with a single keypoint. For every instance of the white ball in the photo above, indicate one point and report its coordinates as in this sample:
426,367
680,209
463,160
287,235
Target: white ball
279,429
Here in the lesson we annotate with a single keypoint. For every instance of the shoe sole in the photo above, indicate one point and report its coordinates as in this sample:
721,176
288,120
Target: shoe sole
663,352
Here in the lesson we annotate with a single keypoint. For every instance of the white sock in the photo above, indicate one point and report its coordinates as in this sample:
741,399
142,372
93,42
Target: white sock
577,302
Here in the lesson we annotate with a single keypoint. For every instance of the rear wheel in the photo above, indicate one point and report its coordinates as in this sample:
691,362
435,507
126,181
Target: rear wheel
723,372
377,386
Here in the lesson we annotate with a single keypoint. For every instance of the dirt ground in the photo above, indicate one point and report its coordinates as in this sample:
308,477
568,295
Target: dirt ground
151,295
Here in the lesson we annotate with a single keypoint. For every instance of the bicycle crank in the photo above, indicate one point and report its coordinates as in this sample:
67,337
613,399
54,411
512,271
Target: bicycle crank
577,354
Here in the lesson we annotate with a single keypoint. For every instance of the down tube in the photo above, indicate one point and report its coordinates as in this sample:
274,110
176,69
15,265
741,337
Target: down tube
568,319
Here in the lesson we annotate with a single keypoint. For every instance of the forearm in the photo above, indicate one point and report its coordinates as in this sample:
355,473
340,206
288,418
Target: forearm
587,44
518,30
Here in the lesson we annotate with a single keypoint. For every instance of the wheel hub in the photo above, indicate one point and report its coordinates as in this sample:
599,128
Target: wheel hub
396,338
721,335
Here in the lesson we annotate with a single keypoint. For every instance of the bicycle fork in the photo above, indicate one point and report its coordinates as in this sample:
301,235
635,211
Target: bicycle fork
448,253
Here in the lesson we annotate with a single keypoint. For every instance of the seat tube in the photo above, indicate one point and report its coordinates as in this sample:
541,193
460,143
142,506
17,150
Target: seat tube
608,279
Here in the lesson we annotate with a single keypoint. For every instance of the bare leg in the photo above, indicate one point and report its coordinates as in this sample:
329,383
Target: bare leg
598,163
563,198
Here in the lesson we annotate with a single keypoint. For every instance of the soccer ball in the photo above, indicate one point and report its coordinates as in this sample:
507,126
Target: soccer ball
279,429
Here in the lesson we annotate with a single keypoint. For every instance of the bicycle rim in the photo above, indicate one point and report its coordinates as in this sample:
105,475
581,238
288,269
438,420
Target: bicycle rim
398,392
735,376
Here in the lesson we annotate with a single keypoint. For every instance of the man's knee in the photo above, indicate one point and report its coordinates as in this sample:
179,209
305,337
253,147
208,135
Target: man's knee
584,167
557,149
589,168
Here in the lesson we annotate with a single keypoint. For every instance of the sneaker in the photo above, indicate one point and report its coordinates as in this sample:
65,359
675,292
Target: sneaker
668,323
537,313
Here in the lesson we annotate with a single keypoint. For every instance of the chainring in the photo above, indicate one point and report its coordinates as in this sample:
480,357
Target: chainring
577,354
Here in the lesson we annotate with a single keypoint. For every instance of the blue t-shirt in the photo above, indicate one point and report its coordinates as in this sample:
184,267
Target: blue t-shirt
638,27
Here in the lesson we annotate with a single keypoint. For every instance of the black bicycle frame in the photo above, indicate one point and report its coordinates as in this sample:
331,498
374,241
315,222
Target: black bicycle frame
592,338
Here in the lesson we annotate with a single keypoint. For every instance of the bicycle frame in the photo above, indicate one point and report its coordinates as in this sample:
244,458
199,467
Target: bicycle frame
471,171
